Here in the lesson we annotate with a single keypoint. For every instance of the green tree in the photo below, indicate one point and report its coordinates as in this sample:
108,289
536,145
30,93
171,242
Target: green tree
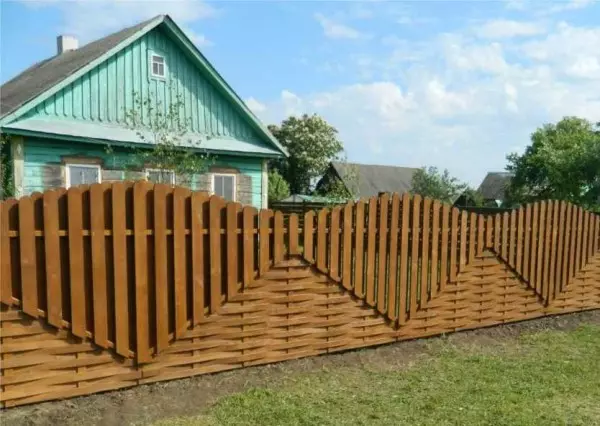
6,178
168,147
430,182
312,144
562,163
278,187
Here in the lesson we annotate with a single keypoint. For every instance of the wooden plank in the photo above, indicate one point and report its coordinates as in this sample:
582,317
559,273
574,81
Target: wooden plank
480,234
578,256
198,203
553,239
309,223
404,249
584,239
497,237
371,247
76,262
512,243
463,240
120,273
27,252
249,220
52,255
99,283
293,235
180,260
414,259
533,276
559,248
595,234
540,252
527,245
393,255
322,240
547,247
489,232
590,234
382,263
359,249
424,281
6,272
573,243
566,247
140,226
505,234
334,244
231,217
444,246
161,278
435,234
519,240
472,236
347,241
454,226
214,220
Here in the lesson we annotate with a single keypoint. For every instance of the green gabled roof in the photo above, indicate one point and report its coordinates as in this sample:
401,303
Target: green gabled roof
44,79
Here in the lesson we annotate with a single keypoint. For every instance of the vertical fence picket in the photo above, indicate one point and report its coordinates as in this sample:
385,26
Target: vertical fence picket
566,245
414,255
553,239
180,260
27,253
505,236
497,230
359,249
334,244
573,243
584,239
308,236
249,221
595,234
548,243
347,241
371,247
6,272
232,212
539,279
382,263
120,272
76,271
161,279
480,234
519,240
533,265
393,263
99,283
592,236
526,249
322,240
293,235
435,234
472,236
214,217
425,252
140,227
454,244
559,249
444,246
463,239
52,256
404,266
489,232
512,231
198,206
278,237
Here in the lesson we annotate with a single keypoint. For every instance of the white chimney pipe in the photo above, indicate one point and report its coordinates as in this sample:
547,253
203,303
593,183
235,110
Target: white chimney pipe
64,43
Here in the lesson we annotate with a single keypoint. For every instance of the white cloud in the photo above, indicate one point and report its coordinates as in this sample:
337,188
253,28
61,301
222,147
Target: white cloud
255,106
503,28
570,5
336,30
89,20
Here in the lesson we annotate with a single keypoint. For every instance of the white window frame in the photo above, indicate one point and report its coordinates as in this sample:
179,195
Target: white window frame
164,63
91,166
226,175
147,172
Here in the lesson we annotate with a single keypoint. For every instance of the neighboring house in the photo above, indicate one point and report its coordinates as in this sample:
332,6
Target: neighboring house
63,112
493,188
366,180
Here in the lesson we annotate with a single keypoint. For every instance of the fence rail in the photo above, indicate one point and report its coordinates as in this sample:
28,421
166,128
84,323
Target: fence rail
158,282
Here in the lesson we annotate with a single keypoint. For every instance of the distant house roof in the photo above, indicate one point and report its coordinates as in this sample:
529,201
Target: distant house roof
373,179
301,198
494,185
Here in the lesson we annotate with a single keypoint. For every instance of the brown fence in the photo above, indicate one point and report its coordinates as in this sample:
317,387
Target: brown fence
114,285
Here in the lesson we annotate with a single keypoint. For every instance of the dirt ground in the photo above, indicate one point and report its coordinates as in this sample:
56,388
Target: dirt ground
142,405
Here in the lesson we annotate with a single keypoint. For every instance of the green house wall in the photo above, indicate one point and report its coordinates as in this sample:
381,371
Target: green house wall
106,93
43,158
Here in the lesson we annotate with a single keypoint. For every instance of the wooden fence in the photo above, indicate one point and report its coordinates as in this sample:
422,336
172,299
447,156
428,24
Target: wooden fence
115,285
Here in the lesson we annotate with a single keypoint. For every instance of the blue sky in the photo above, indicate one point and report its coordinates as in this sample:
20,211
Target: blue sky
453,84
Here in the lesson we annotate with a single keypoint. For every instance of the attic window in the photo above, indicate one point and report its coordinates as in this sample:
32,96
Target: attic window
158,66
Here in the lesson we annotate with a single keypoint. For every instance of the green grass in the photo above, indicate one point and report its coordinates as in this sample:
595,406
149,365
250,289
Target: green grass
547,378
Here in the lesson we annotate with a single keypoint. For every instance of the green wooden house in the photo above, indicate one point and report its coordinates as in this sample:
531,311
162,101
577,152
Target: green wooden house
61,114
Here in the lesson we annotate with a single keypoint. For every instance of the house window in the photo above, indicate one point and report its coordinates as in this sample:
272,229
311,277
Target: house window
82,174
160,176
158,65
224,186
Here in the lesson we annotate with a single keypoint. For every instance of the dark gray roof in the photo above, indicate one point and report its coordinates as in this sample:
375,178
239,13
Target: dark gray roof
373,179
494,185
45,74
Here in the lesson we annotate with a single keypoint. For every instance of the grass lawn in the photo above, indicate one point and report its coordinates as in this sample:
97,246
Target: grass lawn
544,378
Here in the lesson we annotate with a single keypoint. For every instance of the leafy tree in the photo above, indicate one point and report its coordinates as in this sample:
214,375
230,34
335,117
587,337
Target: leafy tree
168,147
278,187
430,182
562,163
7,189
312,144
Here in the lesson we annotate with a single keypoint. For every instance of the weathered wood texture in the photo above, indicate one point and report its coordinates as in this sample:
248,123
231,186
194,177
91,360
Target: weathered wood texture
115,285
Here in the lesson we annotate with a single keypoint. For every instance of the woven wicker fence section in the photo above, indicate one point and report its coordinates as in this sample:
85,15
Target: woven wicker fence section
115,285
